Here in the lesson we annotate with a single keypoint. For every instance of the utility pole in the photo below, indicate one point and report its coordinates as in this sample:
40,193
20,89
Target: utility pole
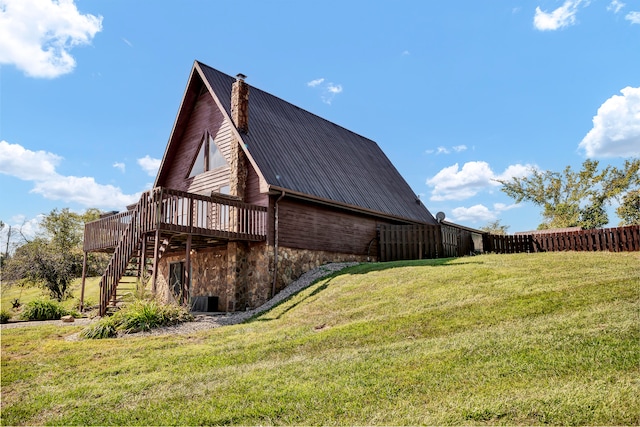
6,252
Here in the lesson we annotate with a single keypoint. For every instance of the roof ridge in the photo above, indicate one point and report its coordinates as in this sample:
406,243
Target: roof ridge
290,103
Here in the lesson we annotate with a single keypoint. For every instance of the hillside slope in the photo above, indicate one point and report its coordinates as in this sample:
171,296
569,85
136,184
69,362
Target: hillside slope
497,339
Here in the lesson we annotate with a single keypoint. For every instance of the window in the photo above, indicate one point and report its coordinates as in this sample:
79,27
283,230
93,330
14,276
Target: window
209,157
176,280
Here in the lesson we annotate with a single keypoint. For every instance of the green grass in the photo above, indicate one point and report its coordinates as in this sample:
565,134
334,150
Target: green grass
494,339
27,294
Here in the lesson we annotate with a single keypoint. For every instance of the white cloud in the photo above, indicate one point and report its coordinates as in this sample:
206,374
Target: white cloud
119,165
25,164
21,228
85,191
501,207
316,82
476,213
633,17
328,90
37,35
334,88
406,53
480,213
445,150
149,165
561,17
39,167
127,42
453,183
616,127
615,6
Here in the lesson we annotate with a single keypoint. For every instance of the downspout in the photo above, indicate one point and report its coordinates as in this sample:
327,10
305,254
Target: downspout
275,246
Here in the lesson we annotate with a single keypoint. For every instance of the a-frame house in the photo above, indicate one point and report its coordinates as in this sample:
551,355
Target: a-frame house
251,193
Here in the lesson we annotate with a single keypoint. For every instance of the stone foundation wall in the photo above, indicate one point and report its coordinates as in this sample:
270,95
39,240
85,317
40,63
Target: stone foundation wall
241,274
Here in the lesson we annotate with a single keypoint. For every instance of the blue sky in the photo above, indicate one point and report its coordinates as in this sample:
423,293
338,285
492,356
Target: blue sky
457,94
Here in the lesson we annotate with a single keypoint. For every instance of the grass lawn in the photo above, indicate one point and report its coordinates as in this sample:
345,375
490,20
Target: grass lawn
26,294
548,338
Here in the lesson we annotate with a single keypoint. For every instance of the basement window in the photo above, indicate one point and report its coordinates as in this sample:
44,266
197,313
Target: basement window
209,157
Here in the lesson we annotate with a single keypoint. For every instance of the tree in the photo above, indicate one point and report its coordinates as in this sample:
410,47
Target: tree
495,227
54,258
629,209
569,198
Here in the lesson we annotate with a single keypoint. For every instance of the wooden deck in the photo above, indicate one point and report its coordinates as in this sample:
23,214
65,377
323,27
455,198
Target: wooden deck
178,212
162,216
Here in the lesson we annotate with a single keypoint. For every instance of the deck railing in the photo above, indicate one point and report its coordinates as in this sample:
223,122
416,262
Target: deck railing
179,211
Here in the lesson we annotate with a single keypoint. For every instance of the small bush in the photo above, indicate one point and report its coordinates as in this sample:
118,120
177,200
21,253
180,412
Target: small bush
104,328
138,316
4,316
42,309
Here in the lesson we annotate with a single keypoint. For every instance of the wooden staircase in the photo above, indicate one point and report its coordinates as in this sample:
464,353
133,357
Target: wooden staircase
128,246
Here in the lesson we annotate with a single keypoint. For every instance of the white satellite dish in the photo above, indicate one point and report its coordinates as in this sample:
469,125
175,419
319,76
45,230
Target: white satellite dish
440,216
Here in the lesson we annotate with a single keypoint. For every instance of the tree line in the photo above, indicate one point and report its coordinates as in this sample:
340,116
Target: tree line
54,257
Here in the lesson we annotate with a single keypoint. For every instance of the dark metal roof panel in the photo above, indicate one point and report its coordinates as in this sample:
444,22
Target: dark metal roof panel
300,151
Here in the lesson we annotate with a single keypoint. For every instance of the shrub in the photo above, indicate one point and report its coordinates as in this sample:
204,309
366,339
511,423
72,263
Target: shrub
104,328
42,309
139,316
4,316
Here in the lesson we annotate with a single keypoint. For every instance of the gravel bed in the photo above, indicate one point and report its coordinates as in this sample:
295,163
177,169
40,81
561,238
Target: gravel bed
212,320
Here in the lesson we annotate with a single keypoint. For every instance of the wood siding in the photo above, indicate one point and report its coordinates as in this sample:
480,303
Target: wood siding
205,117
306,226
252,190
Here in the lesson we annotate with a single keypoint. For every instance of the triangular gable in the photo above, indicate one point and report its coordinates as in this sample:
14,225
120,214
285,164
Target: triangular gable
195,87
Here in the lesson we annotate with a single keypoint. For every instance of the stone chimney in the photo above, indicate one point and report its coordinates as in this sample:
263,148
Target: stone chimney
240,104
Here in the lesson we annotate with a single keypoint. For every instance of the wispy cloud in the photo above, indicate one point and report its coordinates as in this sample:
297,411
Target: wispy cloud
445,150
328,90
633,17
561,17
127,42
119,165
615,6
39,167
37,35
455,183
314,83
616,127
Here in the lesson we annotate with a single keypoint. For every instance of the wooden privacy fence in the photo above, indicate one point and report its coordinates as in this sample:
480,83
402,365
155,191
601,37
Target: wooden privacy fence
619,239
401,242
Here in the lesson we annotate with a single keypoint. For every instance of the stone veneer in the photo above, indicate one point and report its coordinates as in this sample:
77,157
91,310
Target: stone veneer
241,274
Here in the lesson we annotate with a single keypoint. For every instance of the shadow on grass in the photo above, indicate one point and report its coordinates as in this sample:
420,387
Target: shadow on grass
363,268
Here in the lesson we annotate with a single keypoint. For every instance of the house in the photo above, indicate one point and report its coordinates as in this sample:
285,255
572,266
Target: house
252,192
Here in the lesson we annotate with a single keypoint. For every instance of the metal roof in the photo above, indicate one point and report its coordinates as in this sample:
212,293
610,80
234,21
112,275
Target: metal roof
301,152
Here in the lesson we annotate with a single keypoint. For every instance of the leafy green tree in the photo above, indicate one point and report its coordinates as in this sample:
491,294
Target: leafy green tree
54,258
571,198
629,209
494,227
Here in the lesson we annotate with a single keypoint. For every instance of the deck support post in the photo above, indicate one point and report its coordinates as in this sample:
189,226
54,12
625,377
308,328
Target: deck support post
84,276
156,254
187,273
142,262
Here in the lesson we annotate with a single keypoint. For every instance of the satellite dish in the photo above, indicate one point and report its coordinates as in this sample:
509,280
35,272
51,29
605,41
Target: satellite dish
440,216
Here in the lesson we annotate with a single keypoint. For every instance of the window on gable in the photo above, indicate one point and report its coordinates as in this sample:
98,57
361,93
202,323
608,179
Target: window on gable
209,157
